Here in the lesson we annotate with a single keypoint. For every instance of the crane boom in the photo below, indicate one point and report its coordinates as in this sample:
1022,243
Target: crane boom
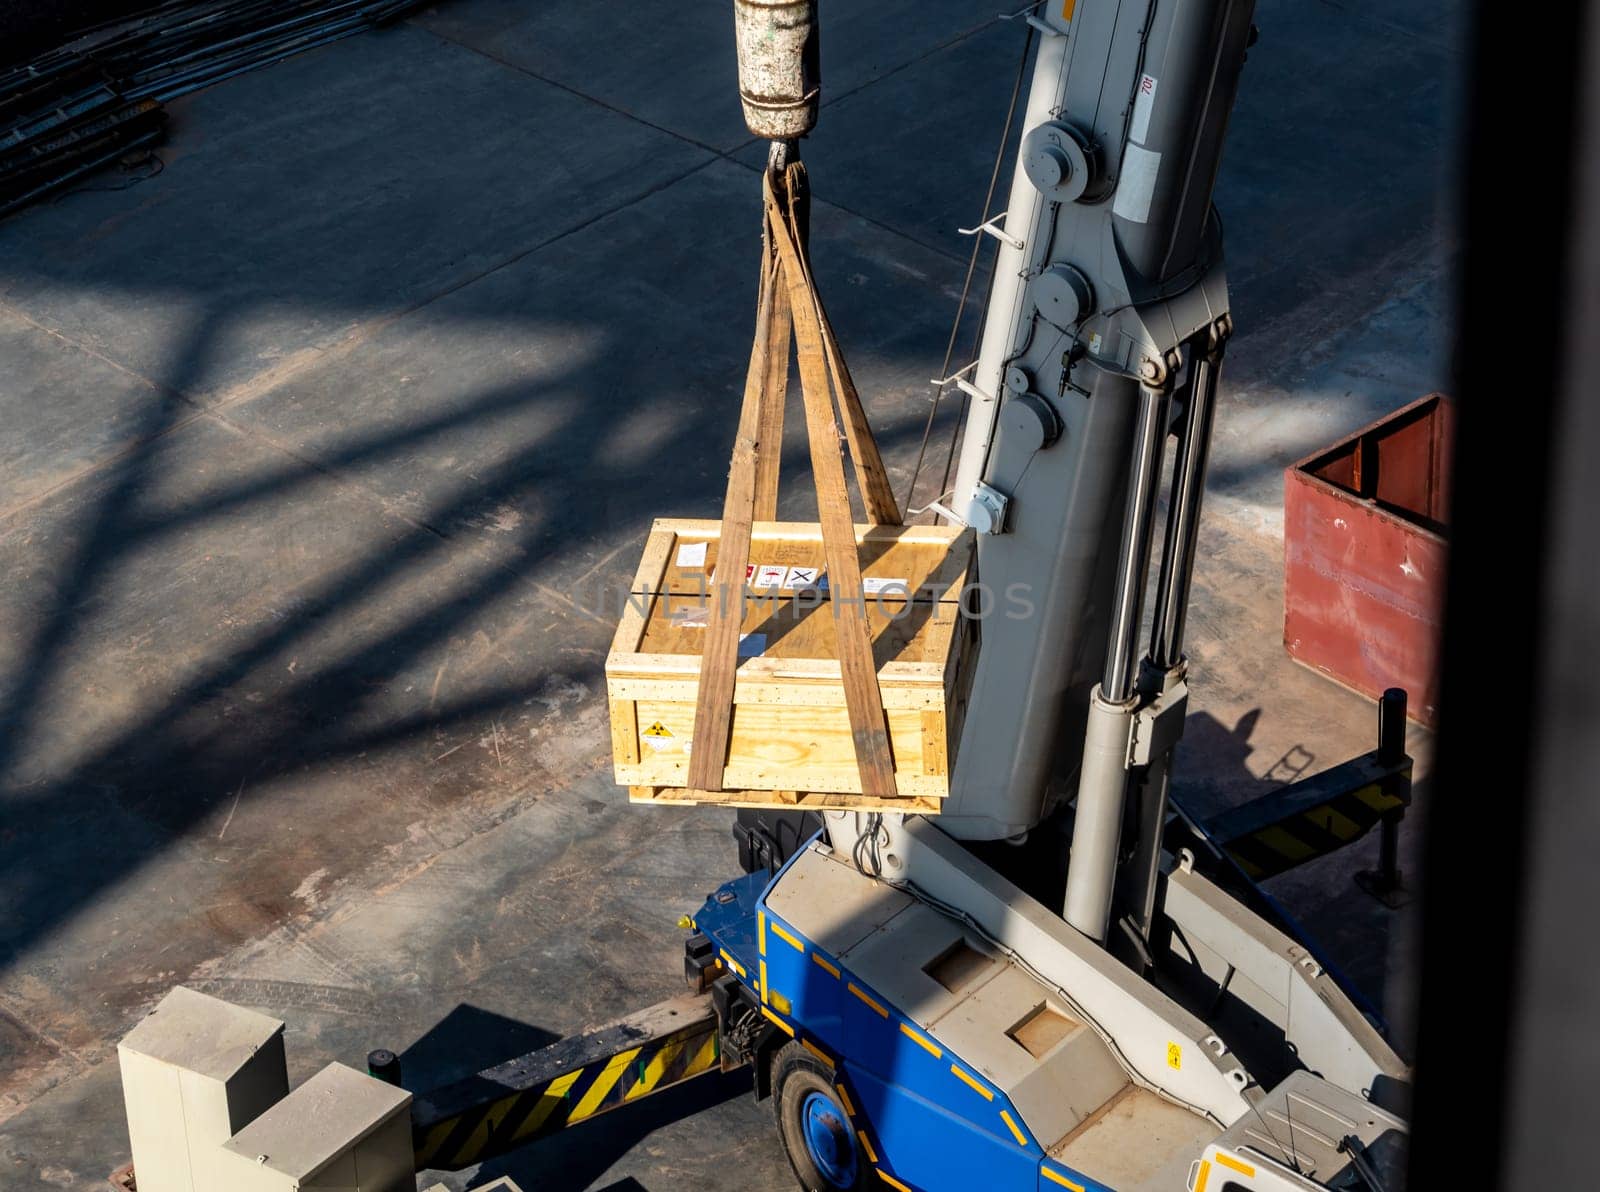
1109,284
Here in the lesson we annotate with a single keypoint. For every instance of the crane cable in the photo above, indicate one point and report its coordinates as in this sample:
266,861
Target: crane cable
961,306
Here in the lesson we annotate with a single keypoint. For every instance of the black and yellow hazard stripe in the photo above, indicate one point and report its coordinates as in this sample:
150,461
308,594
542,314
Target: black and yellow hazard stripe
566,1083
1312,818
1278,847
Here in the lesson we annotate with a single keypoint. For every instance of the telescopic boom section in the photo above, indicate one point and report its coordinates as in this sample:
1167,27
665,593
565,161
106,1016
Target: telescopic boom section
1104,335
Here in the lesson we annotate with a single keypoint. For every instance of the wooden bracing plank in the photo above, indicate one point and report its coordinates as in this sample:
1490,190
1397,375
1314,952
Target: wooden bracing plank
847,600
877,498
789,306
713,718
775,392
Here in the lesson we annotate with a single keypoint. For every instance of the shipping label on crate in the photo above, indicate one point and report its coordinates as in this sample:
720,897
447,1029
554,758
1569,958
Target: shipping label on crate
784,578
883,585
804,579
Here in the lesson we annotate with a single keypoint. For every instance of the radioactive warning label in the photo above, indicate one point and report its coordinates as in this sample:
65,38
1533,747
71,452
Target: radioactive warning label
658,736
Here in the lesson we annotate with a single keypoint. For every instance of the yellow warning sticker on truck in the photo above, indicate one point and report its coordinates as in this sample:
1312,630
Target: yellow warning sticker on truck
1174,1056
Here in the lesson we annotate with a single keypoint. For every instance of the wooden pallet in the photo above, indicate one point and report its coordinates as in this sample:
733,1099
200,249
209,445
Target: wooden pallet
668,796
791,742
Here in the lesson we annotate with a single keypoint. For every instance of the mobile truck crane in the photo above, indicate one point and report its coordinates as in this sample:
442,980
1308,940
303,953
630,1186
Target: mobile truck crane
919,1019
924,1002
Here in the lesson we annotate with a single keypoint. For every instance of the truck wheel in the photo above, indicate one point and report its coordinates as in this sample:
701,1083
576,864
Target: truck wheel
817,1134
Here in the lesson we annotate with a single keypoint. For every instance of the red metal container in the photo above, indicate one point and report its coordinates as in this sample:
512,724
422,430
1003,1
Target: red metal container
1364,554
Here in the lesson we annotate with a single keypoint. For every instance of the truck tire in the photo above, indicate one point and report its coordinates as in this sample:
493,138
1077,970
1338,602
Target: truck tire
817,1134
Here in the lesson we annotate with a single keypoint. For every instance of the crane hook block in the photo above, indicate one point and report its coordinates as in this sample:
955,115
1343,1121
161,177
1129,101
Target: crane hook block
780,73
1062,161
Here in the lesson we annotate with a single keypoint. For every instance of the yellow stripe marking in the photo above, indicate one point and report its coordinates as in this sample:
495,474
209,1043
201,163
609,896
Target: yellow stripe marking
1285,845
872,1155
1371,795
603,1084
653,1070
704,1058
784,1026
1205,1174
779,931
825,965
817,1051
554,1094
763,981
469,1150
976,1087
1057,1178
921,1042
1226,1160
1067,9
845,1098
1022,1139
436,1139
889,1179
1251,869
1334,823
761,933
734,964
1374,798
857,990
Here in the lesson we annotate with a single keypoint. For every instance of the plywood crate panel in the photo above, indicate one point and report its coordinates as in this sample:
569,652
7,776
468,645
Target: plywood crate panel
791,744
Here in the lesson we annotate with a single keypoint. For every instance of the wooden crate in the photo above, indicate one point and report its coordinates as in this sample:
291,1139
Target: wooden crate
791,744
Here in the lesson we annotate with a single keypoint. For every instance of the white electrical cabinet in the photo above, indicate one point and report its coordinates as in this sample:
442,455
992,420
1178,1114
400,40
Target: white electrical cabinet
342,1129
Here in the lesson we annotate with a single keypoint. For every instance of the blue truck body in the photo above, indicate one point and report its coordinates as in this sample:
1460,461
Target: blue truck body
924,1118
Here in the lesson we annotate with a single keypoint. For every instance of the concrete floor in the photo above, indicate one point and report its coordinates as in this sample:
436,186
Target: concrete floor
316,449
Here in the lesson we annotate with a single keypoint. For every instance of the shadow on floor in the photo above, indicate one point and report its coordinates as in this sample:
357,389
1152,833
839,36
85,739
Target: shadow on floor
468,1040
